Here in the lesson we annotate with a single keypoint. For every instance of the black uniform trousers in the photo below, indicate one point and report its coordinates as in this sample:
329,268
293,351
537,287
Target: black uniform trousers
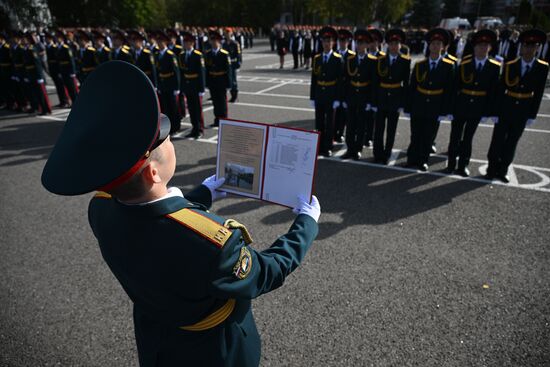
60,89
169,106
324,123
340,116
506,135
219,100
295,58
460,143
71,85
194,104
369,126
181,105
355,130
18,92
422,132
234,85
38,96
383,152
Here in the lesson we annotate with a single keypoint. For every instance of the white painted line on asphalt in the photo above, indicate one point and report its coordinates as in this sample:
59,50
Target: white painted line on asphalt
248,57
274,107
271,88
274,95
512,175
393,157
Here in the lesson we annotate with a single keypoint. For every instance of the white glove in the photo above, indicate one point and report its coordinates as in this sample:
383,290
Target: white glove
530,122
201,94
72,75
494,119
335,104
312,103
176,92
483,119
213,184
406,114
450,117
303,207
40,81
344,104
400,110
441,118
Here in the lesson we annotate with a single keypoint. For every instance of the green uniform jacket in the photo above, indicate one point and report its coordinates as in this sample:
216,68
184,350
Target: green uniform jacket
218,75
476,91
392,82
176,275
520,97
431,92
192,72
327,82
168,71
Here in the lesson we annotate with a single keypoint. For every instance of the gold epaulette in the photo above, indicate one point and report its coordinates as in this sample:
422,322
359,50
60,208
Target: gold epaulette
102,195
178,46
197,52
66,46
372,57
146,50
233,224
126,47
224,51
406,57
351,52
317,56
90,48
107,49
336,54
381,53
203,226
542,62
449,56
169,52
493,61
448,61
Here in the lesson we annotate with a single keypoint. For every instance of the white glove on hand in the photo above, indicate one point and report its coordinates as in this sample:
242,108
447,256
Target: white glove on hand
213,184
72,75
406,114
450,117
313,209
335,104
483,120
344,104
530,122
312,103
494,119
441,118
201,94
400,110
40,81
176,92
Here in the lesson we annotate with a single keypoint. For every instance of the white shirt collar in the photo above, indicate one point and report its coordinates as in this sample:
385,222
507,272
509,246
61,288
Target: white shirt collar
172,192
430,60
482,61
525,63
327,54
343,52
215,50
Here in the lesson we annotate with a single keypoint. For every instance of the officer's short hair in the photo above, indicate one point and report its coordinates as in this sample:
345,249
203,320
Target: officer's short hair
135,186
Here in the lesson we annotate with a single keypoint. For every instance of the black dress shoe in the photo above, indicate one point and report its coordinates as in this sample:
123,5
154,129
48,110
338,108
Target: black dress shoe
347,155
449,170
192,134
423,167
489,177
215,124
464,172
504,178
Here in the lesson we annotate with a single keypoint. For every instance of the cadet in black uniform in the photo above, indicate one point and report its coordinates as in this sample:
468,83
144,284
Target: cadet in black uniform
6,95
103,53
169,81
430,97
521,90
54,70
18,71
189,273
88,59
390,93
377,38
218,76
235,55
121,51
326,87
34,78
67,66
341,115
175,46
192,83
145,60
476,87
358,81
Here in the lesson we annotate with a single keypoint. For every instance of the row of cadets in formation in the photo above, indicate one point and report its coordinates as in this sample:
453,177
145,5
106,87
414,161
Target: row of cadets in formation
365,92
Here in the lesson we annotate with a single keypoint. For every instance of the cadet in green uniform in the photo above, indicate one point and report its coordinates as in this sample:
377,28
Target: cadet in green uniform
341,115
34,78
169,81
67,65
102,51
476,87
88,58
192,83
54,71
430,97
144,58
521,90
390,93
358,86
326,87
218,76
189,273
235,56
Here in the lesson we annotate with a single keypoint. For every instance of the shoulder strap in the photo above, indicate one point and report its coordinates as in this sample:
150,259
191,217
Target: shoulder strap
202,225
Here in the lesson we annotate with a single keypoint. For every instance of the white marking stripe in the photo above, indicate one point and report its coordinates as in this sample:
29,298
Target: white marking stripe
275,107
272,87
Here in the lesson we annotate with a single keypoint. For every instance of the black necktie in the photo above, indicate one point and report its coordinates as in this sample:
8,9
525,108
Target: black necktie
433,65
479,66
325,59
527,67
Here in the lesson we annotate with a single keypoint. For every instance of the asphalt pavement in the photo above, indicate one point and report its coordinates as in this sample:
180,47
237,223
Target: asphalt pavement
409,269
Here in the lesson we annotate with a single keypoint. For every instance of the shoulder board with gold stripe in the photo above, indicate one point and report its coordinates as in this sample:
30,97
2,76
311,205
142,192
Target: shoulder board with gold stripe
372,57
197,52
493,61
336,54
381,53
125,50
126,47
351,52
102,195
465,61
449,56
203,226
107,49
169,52
406,57
224,51
66,46
448,61
317,56
146,50
178,46
91,48
542,62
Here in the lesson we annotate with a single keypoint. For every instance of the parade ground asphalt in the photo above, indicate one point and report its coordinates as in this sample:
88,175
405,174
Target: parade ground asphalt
409,268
